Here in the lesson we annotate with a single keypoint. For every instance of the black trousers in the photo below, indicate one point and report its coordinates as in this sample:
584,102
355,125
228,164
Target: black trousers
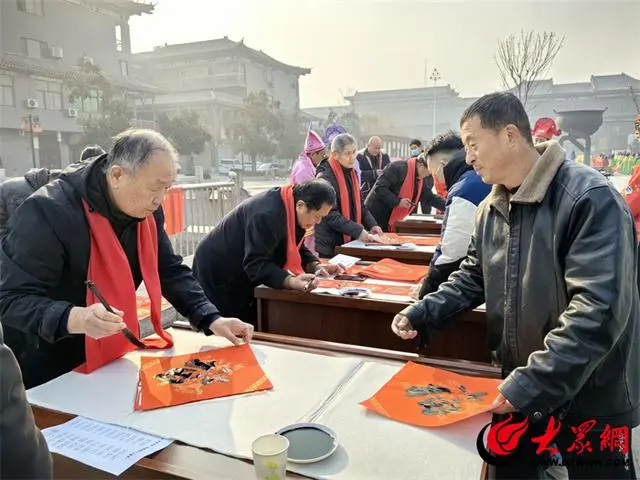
599,463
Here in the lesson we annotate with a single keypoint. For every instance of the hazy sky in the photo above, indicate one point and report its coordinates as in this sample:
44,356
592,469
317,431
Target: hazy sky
383,44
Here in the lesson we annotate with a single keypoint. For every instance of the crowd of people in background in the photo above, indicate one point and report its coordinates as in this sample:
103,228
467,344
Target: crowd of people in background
545,243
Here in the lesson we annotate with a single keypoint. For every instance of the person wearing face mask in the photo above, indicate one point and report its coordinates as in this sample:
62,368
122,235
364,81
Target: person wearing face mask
397,191
349,219
445,157
260,242
428,200
100,223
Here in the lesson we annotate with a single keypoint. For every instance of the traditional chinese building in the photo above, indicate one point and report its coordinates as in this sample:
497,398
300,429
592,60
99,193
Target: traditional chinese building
212,77
410,112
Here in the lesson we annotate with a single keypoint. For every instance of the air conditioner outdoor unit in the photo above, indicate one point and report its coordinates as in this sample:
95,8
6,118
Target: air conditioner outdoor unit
56,52
31,103
72,112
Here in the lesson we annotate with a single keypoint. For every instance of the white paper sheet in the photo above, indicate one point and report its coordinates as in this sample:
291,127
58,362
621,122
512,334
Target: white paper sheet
377,448
306,387
106,447
301,381
346,261
419,219
375,296
360,244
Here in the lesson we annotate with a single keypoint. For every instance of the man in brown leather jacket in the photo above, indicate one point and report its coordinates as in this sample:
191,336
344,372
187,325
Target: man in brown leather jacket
23,450
555,258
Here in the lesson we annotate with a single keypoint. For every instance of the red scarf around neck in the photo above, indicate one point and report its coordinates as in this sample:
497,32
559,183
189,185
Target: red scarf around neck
441,190
409,191
294,261
345,200
110,271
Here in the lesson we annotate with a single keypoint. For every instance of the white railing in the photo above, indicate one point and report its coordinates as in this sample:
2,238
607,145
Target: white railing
205,205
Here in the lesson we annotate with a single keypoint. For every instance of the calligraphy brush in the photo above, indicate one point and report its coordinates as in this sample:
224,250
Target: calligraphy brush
308,284
127,333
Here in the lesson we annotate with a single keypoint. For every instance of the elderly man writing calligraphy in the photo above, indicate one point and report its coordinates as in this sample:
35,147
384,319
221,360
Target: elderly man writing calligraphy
555,258
99,222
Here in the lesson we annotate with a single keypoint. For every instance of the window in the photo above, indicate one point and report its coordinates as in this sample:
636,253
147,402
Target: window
124,68
6,91
268,76
34,48
91,103
119,38
49,94
34,7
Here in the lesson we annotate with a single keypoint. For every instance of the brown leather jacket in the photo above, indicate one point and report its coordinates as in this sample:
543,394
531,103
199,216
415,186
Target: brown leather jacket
557,266
23,450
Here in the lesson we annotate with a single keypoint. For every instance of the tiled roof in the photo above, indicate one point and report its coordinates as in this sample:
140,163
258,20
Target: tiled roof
215,47
54,69
132,7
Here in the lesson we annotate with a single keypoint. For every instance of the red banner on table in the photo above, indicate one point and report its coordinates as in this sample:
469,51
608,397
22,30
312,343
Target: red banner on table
400,290
388,269
429,397
389,238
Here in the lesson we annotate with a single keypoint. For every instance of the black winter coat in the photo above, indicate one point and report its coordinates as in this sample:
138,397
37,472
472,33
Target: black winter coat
385,194
44,261
248,248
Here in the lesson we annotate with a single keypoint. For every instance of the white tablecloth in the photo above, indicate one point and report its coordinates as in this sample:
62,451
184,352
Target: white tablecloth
307,387
301,382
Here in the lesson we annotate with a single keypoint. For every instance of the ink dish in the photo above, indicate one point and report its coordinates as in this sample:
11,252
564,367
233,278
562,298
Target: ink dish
309,442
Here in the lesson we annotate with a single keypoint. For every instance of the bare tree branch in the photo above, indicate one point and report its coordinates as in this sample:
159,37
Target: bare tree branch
524,59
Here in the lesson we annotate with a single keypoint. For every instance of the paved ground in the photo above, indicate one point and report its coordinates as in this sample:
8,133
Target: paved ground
257,186
260,185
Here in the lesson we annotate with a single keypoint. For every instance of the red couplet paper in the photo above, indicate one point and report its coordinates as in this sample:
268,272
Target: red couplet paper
429,397
388,269
171,381
419,241
401,290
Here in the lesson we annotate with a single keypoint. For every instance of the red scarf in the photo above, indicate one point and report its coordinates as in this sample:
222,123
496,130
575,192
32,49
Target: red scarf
632,195
110,271
406,191
294,262
441,190
345,201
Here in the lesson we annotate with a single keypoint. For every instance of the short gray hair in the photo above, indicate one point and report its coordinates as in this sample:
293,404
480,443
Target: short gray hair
341,142
132,149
